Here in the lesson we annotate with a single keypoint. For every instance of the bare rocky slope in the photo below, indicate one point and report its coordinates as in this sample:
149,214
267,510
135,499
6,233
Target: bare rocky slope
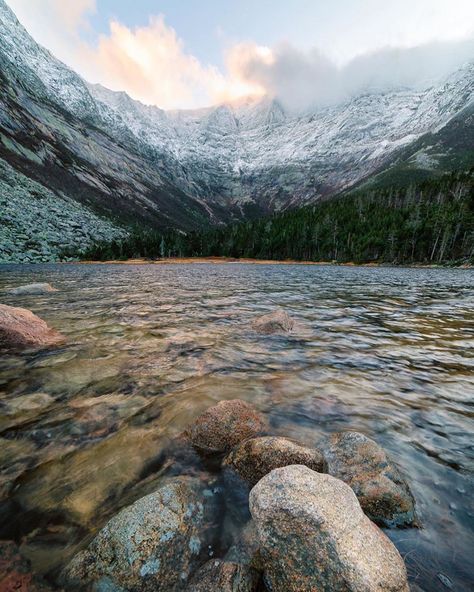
108,162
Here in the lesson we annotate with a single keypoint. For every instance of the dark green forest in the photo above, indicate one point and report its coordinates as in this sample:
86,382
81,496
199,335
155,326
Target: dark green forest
429,222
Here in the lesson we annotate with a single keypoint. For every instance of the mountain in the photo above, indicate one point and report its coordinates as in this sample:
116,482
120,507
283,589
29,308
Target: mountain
74,151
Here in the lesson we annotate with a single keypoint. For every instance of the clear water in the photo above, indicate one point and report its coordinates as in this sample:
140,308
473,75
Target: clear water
389,352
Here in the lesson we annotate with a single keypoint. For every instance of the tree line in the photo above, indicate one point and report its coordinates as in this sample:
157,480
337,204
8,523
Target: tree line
429,222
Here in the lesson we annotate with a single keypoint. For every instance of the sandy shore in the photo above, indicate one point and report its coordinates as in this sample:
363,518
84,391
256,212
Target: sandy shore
228,260
205,260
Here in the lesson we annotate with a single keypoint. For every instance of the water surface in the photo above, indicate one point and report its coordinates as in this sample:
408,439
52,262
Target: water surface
388,352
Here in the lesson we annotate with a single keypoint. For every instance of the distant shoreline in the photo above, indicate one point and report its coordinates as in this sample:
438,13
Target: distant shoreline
246,261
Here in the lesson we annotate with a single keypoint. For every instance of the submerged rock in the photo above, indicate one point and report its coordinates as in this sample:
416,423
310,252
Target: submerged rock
224,576
35,402
15,571
36,289
246,548
20,409
253,459
361,463
274,322
154,544
225,425
20,328
315,536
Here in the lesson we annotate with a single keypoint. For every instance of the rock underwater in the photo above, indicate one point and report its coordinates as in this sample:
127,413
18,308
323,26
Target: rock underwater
277,321
21,329
224,576
15,572
314,535
32,289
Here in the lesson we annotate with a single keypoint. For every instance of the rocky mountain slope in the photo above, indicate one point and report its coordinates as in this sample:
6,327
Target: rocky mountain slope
123,163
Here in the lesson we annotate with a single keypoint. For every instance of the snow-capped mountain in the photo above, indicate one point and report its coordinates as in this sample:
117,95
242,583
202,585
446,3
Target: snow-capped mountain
259,153
133,163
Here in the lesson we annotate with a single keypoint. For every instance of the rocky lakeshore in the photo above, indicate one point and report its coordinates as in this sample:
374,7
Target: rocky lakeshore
302,518
222,489
305,529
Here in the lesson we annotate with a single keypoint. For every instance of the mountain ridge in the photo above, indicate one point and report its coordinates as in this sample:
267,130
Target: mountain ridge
135,164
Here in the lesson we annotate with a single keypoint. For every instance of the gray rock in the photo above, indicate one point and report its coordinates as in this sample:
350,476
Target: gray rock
20,328
314,536
361,463
275,322
224,576
225,425
154,544
32,289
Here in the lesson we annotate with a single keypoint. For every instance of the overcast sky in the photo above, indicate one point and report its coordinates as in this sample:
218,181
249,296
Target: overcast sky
190,53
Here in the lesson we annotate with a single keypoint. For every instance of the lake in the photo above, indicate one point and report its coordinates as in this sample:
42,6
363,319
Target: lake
385,351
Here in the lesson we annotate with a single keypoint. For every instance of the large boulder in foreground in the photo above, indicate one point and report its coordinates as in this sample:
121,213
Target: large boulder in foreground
154,544
361,463
253,459
315,536
224,576
225,425
277,321
20,329
32,289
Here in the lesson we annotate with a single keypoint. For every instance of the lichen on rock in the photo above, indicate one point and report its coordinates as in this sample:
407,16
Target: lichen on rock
154,544
314,536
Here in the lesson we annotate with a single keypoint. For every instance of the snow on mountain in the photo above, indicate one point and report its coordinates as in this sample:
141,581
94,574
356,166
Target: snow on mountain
237,159
308,155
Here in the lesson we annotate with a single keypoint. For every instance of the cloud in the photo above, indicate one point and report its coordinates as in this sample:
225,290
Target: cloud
152,64
60,14
301,80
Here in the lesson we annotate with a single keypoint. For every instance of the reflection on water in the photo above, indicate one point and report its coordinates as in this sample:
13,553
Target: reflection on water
388,352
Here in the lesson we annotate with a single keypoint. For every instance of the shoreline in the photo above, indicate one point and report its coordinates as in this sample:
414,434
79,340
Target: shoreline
248,261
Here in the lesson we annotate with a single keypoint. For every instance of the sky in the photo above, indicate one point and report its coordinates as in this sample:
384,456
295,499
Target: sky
194,53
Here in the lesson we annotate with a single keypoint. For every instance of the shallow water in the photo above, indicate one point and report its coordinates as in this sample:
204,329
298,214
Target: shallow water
388,352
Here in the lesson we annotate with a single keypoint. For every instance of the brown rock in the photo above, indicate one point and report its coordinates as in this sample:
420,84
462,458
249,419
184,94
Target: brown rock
15,571
274,322
361,463
20,328
255,458
314,536
225,425
224,576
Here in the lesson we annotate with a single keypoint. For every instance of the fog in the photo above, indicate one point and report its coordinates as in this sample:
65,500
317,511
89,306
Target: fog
303,80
